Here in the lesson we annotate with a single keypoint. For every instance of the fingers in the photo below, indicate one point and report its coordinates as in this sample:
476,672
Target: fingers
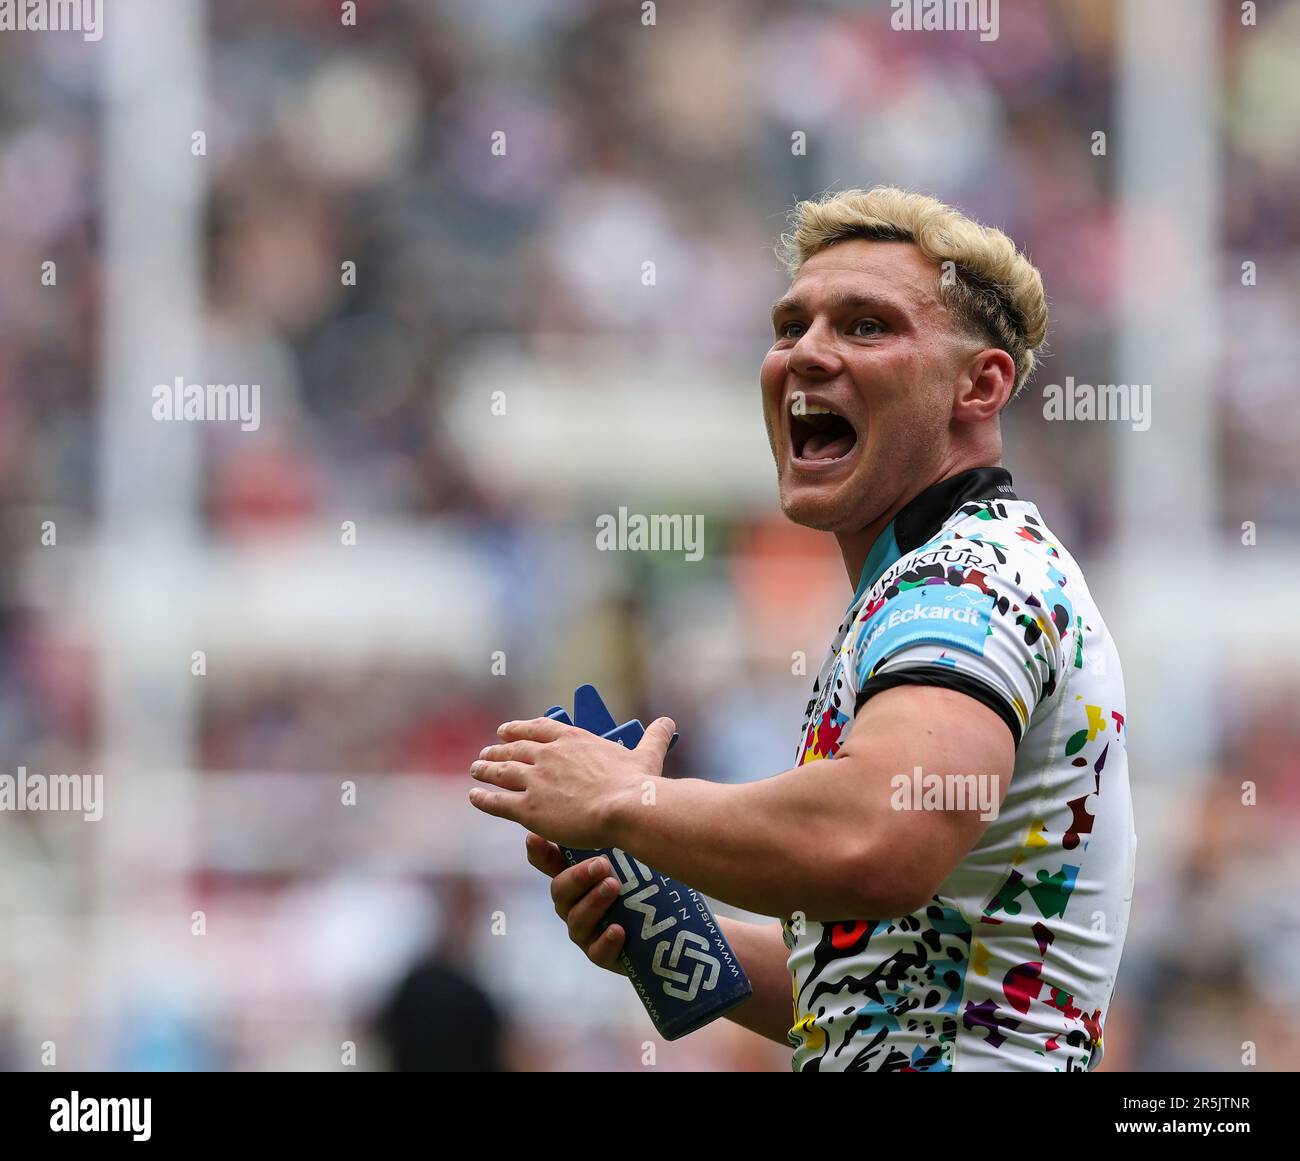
543,855
522,751
535,730
498,803
582,894
658,737
584,917
604,950
509,775
572,884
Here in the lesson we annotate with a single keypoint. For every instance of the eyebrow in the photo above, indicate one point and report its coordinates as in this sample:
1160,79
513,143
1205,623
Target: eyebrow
840,300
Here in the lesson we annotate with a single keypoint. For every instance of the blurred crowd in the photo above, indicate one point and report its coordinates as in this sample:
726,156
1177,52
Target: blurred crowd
372,145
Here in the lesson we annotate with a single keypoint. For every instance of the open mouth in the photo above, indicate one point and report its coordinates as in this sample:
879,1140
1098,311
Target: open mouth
819,435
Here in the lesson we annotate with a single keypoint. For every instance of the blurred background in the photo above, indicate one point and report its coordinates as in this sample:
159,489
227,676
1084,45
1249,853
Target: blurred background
425,235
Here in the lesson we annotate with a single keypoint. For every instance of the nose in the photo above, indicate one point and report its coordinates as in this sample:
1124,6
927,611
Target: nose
814,354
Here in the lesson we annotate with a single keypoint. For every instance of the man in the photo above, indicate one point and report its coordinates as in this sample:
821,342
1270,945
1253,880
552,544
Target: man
954,886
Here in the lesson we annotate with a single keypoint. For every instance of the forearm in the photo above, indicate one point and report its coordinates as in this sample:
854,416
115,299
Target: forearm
828,840
762,953
774,847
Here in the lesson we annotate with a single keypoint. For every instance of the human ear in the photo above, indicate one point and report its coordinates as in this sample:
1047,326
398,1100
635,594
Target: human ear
985,385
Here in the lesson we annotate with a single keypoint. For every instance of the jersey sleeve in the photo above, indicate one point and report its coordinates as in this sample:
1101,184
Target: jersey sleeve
991,628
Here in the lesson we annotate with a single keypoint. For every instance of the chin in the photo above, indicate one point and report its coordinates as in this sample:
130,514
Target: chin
822,513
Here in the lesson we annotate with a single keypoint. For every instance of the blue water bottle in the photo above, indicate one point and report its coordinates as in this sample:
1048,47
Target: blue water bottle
674,952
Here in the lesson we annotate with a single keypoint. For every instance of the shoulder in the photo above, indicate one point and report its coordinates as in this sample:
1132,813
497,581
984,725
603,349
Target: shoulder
999,548
986,600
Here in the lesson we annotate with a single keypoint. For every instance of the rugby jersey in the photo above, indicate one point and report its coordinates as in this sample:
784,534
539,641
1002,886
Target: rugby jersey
1011,964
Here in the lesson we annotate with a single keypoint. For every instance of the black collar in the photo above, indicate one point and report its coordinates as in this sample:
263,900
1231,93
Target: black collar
923,515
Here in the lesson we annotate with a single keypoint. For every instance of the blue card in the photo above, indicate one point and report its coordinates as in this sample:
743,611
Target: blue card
629,734
676,1001
590,713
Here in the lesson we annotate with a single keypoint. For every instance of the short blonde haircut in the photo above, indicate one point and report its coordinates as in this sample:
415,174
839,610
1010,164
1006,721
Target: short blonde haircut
994,292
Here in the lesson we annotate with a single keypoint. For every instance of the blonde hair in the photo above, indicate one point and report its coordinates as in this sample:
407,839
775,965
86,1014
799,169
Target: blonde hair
994,291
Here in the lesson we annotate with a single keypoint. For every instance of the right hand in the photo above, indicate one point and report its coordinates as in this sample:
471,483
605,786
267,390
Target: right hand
582,894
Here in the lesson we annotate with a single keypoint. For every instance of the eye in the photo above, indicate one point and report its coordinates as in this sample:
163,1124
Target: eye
783,331
875,323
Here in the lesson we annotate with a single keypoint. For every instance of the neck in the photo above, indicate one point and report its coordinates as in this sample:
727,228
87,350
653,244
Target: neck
856,546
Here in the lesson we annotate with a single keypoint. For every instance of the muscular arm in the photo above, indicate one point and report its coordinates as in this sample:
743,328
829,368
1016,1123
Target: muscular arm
762,953
824,839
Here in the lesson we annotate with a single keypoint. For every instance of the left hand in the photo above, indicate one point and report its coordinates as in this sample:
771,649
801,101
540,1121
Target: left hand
566,784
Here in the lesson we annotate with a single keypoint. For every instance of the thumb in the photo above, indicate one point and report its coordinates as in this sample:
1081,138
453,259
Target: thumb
658,735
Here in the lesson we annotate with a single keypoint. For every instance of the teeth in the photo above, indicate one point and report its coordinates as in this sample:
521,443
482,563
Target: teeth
810,409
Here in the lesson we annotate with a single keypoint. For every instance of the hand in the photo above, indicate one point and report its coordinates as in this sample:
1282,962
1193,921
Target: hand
567,784
582,894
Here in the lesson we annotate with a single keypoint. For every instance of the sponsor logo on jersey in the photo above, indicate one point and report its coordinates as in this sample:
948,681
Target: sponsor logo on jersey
931,614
